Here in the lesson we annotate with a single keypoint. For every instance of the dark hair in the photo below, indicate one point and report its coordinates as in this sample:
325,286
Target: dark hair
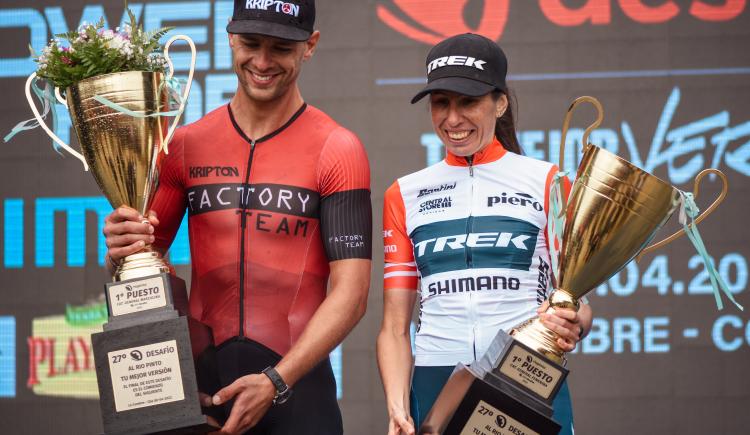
505,126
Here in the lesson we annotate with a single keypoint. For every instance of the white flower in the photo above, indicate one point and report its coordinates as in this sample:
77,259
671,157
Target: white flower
121,44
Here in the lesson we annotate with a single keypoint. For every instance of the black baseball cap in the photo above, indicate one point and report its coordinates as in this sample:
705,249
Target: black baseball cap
292,20
468,64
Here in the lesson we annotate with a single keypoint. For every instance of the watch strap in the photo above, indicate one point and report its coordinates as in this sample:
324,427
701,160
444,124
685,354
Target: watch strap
282,389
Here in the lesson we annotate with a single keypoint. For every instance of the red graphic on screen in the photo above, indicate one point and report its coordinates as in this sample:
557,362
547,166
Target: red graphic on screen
431,21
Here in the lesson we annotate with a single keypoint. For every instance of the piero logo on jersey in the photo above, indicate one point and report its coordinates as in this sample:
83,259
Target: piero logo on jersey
518,198
273,5
455,61
436,189
436,205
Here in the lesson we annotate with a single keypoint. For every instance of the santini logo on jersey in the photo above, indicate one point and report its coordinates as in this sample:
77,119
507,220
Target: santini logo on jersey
473,240
273,5
522,199
455,61
436,189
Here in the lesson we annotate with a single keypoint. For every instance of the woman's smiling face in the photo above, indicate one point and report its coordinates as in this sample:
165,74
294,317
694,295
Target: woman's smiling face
465,124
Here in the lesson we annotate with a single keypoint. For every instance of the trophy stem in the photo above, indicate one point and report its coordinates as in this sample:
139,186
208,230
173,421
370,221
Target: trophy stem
535,335
142,264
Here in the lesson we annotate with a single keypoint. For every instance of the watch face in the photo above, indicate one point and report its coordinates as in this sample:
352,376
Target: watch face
283,396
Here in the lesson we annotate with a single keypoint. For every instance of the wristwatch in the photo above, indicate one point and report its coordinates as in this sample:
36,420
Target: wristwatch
283,392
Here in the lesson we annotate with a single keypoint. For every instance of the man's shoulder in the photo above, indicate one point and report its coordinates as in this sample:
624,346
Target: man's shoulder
327,127
330,135
218,117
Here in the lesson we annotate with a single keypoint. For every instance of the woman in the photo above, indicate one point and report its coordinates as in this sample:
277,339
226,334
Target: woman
468,234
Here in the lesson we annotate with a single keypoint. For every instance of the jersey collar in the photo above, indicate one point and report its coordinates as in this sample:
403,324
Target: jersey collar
492,152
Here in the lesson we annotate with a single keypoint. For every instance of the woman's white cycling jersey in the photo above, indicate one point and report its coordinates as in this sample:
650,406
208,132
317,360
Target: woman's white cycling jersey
471,238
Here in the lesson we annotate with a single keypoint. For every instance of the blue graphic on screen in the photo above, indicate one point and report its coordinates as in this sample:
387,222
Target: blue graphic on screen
7,356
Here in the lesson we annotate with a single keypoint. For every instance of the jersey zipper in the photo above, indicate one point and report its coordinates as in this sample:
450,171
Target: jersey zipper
244,212
243,226
469,259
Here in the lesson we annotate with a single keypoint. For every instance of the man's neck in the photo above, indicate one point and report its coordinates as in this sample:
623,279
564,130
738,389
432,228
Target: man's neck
261,118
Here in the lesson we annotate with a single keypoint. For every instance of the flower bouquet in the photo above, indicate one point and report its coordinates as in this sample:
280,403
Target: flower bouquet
92,50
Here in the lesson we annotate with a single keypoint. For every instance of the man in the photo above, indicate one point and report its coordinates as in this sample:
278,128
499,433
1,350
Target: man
277,196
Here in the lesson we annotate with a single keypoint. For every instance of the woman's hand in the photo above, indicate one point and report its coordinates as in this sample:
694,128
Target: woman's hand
571,326
400,423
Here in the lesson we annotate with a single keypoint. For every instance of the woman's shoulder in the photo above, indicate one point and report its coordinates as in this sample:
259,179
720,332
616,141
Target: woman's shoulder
527,163
435,171
433,174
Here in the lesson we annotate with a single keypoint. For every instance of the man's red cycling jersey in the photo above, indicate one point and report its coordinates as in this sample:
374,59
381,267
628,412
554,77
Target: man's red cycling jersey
265,218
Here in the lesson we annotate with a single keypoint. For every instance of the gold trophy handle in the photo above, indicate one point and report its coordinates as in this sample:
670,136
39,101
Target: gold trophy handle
186,92
586,133
46,129
706,212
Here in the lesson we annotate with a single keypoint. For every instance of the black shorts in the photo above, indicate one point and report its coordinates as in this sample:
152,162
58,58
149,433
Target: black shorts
312,408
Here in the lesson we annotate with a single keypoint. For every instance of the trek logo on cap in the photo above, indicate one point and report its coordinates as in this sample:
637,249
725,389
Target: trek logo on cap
455,60
281,7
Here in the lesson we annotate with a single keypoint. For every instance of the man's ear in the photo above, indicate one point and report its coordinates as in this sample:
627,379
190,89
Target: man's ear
311,44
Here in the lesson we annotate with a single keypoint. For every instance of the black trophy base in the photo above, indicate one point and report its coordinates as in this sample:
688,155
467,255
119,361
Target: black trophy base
510,391
488,410
147,380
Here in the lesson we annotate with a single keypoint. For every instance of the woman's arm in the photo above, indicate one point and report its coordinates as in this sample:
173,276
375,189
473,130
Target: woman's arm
395,359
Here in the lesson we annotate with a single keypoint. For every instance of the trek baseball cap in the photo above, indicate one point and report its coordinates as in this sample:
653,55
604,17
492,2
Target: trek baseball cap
292,20
468,64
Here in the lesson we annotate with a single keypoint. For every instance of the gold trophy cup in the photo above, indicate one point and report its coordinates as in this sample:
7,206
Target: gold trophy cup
613,212
145,356
123,149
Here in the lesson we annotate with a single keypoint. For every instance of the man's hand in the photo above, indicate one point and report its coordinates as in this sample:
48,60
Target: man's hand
126,232
253,395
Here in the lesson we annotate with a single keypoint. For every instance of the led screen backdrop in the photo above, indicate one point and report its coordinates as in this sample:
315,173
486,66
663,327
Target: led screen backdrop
674,79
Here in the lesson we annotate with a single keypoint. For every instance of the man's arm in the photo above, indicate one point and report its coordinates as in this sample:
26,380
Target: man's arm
333,320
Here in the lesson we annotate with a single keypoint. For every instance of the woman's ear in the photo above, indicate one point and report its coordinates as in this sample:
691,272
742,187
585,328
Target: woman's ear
501,105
